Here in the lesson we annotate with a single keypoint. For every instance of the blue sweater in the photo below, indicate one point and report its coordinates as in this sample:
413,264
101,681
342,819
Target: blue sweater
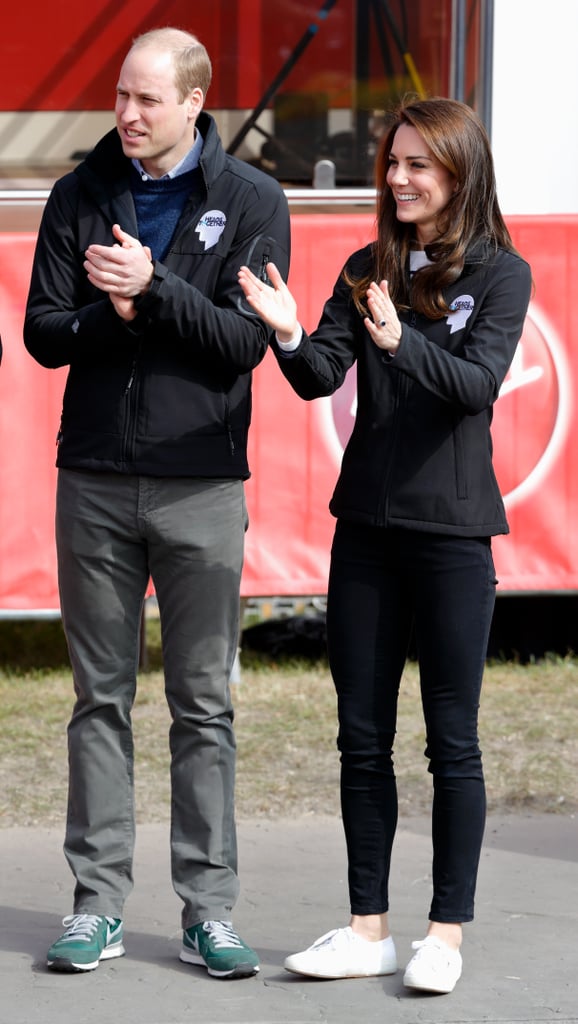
159,203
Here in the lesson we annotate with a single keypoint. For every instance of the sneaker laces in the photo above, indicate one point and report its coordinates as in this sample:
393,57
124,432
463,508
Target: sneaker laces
340,937
430,942
332,938
223,934
82,926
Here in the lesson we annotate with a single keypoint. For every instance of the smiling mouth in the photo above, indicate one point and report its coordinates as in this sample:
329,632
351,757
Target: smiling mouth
407,197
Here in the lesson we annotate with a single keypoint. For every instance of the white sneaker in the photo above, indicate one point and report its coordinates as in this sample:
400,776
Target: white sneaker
343,954
434,967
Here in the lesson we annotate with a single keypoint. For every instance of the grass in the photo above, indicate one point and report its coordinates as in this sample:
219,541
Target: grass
285,724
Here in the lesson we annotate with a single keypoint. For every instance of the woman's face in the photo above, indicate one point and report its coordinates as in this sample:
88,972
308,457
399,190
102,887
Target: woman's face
421,185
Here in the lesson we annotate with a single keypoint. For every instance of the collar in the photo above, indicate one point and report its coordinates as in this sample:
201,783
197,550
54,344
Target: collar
417,260
189,162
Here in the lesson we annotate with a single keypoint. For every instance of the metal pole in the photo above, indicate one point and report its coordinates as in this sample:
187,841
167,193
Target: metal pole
288,66
487,63
403,51
361,112
458,61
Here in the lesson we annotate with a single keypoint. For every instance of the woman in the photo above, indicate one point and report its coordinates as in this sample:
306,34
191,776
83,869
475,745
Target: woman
432,312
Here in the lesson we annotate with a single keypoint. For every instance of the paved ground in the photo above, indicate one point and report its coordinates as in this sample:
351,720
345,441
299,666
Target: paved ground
520,955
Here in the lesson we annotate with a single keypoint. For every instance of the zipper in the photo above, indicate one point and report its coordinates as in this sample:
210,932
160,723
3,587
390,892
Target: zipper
228,427
131,396
402,385
231,440
131,378
263,276
383,507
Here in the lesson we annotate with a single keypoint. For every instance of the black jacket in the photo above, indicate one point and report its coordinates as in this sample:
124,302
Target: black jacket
168,394
420,455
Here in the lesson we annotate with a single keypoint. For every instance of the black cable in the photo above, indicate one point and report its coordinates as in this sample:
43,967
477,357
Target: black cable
404,52
281,76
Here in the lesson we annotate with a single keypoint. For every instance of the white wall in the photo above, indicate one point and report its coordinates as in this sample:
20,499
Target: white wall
535,105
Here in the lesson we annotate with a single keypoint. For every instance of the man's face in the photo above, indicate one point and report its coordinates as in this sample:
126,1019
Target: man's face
155,127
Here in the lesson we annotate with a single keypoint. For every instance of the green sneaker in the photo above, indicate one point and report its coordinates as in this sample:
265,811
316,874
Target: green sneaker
216,946
87,940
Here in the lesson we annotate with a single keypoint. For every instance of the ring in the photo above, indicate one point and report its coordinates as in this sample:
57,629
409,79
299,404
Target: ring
382,323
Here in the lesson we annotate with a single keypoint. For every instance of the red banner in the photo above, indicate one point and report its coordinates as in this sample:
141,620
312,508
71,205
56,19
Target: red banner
295,447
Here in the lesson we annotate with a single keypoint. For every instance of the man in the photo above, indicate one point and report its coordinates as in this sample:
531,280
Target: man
134,287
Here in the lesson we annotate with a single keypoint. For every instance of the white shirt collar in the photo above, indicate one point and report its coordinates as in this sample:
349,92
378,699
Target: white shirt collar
417,260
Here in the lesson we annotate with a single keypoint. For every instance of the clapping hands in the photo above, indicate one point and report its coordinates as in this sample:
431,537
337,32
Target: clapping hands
274,303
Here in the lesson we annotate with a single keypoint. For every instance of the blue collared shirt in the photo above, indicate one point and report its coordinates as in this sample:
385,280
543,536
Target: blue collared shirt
188,163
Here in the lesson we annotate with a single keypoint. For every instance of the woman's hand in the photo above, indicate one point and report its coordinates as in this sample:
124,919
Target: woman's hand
383,325
275,305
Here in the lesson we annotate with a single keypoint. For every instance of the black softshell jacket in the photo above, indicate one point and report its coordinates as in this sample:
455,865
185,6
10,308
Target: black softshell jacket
420,455
168,394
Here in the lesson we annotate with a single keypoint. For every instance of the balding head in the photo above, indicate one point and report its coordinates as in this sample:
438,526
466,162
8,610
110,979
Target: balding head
190,59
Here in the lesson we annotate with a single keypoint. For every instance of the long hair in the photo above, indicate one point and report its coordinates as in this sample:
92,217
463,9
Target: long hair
457,137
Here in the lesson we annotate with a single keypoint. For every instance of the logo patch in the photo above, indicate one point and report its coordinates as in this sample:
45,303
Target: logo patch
211,227
460,309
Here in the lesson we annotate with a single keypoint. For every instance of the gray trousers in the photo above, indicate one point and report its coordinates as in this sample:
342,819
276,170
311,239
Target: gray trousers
113,532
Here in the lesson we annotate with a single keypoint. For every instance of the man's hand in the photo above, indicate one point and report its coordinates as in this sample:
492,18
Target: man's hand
123,270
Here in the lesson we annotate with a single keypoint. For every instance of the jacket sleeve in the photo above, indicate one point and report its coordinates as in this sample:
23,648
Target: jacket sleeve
221,326
471,376
317,368
66,318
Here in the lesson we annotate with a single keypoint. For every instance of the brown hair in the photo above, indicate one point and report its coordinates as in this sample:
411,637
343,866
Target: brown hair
191,61
457,137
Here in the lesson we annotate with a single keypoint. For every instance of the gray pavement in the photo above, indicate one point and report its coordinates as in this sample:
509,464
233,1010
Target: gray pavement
520,955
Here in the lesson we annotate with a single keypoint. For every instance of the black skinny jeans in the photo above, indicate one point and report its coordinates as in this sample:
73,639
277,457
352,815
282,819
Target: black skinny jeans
381,581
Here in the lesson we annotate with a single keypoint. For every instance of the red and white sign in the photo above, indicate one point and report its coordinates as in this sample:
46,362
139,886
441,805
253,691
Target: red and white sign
295,446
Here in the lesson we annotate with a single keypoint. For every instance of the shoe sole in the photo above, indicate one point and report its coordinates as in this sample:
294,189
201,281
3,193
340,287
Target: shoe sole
338,977
239,971
437,990
429,988
66,966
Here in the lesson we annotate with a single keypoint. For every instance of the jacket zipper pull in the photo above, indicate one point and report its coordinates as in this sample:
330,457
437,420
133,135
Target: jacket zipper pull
263,276
131,378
